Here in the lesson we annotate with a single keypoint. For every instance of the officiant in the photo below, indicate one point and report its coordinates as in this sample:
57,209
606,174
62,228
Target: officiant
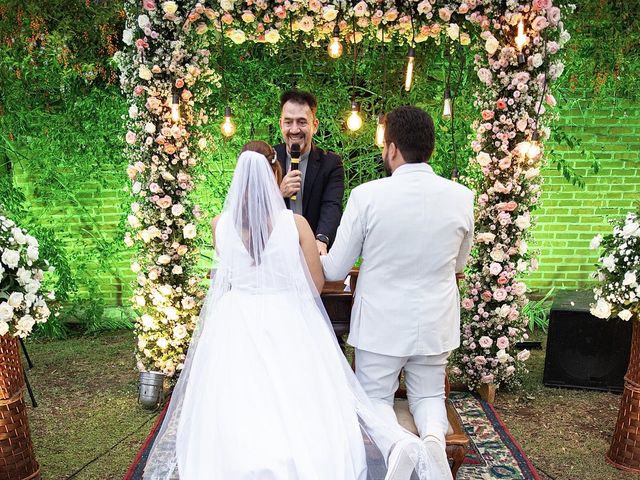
315,188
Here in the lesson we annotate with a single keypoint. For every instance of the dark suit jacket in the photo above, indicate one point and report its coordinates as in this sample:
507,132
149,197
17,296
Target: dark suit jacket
323,190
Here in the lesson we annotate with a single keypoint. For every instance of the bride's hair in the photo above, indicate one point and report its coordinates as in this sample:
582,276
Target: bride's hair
267,150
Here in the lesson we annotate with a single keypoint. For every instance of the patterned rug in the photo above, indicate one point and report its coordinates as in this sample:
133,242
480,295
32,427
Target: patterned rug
493,454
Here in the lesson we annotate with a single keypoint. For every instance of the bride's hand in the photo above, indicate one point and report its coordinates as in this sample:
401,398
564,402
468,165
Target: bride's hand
291,183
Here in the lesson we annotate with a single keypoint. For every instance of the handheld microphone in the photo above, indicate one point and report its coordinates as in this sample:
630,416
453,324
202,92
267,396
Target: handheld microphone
295,161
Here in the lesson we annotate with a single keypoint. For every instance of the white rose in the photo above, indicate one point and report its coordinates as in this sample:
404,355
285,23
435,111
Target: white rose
491,45
18,236
24,276
625,315
485,237
189,231
630,229
133,112
523,221
169,7
150,128
11,258
164,259
629,279
6,311
32,253
135,267
26,323
177,209
148,322
483,159
601,309
179,332
144,73
453,30
272,36
127,36
595,242
237,36
4,328
133,221
171,313
531,173
502,356
16,299
329,13
523,247
609,263
176,270
226,5
143,21
162,343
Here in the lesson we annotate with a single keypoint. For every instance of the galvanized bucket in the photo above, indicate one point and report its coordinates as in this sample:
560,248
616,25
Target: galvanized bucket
150,393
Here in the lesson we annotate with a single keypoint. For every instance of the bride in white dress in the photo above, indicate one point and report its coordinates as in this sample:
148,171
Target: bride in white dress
266,393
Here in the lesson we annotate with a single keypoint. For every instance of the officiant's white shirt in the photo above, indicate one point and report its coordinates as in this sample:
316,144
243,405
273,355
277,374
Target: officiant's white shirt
414,231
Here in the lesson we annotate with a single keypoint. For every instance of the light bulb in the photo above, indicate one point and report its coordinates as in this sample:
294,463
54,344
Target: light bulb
523,148
534,149
227,128
175,106
354,122
335,47
380,131
408,79
446,110
521,41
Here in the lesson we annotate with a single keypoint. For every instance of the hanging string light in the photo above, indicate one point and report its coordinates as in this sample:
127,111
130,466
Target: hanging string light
379,140
411,59
354,122
447,111
175,105
521,40
228,128
335,47
531,148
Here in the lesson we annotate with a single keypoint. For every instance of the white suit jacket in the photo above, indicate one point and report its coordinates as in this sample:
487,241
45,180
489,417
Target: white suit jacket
414,231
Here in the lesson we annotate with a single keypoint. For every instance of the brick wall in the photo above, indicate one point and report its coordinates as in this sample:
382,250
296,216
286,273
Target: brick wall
570,216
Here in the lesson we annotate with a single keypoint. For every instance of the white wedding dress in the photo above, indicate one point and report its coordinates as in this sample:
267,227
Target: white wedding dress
266,393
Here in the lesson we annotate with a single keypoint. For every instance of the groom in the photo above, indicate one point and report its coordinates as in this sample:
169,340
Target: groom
414,231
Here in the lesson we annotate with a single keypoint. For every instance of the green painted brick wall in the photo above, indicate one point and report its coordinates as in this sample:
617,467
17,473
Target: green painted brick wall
567,219
569,216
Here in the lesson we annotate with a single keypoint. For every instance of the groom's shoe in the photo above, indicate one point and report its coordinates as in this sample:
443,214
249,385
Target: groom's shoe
438,464
401,465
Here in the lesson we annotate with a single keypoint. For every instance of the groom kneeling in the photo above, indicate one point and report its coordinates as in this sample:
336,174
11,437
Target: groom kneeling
414,231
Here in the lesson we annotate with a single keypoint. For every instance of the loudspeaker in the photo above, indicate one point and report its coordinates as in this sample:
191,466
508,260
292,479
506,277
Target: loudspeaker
584,351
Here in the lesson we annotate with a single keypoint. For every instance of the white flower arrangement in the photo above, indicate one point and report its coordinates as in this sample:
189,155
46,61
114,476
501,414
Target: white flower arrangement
618,271
22,303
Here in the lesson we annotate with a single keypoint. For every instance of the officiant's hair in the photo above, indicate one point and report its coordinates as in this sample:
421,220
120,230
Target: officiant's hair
412,131
301,98
267,150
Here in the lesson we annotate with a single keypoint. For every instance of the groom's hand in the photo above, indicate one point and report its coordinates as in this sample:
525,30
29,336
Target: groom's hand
291,183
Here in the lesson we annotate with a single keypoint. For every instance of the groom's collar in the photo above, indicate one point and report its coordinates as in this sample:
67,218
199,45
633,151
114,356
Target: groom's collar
412,167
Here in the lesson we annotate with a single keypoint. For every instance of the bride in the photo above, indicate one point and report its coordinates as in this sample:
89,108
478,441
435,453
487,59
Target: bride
265,393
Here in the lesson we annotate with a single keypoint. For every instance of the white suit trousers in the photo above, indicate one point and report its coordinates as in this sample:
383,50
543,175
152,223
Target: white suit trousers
424,378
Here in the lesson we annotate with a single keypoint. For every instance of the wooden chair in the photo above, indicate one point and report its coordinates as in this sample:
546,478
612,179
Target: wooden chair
338,303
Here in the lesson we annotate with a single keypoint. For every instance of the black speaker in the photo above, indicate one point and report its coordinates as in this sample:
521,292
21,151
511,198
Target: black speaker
584,351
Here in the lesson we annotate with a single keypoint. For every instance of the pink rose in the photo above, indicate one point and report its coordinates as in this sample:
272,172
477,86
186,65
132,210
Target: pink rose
487,114
519,288
512,332
495,268
138,90
164,202
154,188
487,378
524,355
486,295
502,343
502,280
445,14
485,342
513,314
539,23
467,304
500,294
554,15
149,4
463,8
501,104
131,137
504,163
480,360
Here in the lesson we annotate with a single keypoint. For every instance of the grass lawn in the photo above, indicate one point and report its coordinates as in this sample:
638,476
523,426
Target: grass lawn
86,388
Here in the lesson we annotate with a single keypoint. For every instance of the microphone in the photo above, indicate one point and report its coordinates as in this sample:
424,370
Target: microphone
295,161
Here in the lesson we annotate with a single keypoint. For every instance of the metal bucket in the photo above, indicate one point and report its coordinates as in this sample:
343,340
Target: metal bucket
150,392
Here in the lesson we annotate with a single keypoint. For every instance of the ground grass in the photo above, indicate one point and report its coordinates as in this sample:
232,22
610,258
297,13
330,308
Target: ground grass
86,388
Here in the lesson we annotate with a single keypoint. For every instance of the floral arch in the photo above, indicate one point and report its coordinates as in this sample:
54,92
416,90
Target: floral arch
166,72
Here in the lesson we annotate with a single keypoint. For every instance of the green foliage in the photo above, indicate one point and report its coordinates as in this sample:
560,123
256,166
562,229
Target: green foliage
538,312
